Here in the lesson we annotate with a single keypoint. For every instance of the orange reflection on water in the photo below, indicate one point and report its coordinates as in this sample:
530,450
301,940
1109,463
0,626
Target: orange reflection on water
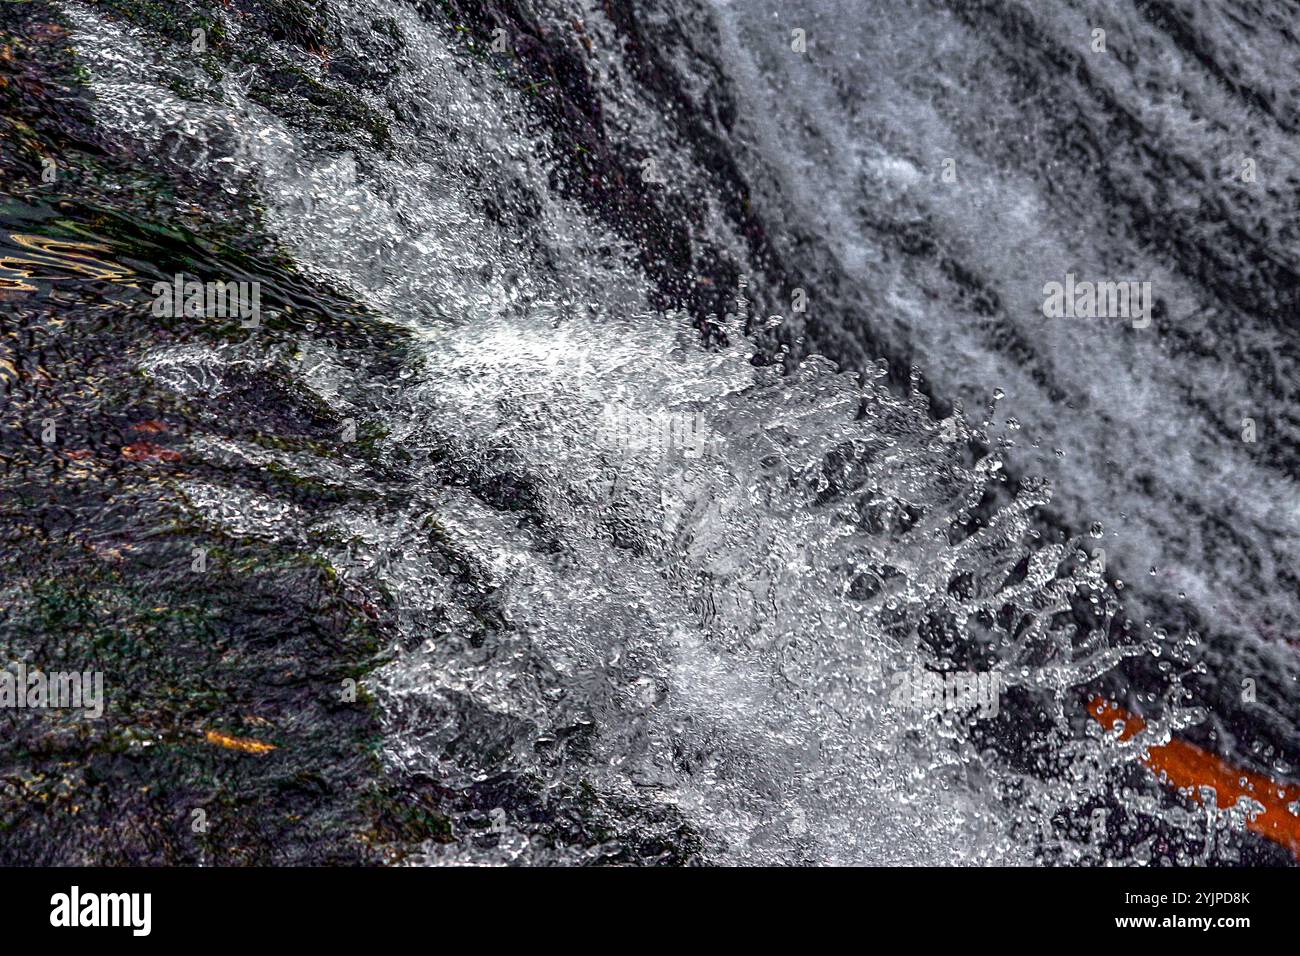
25,257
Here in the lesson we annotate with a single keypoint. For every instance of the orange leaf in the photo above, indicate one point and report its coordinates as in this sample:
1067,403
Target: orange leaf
244,744
1188,767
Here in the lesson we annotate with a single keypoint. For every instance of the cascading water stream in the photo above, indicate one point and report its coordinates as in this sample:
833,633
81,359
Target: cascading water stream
634,566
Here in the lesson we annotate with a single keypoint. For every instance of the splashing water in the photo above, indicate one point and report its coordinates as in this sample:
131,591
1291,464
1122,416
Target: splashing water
630,565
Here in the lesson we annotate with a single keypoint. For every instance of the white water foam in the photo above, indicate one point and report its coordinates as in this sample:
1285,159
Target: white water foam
721,633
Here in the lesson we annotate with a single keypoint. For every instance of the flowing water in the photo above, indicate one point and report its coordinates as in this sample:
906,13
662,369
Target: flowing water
639,565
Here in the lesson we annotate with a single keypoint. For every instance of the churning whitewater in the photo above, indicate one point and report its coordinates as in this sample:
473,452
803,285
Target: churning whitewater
730,585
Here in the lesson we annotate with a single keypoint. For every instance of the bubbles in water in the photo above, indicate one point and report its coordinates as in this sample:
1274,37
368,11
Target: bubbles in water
821,634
